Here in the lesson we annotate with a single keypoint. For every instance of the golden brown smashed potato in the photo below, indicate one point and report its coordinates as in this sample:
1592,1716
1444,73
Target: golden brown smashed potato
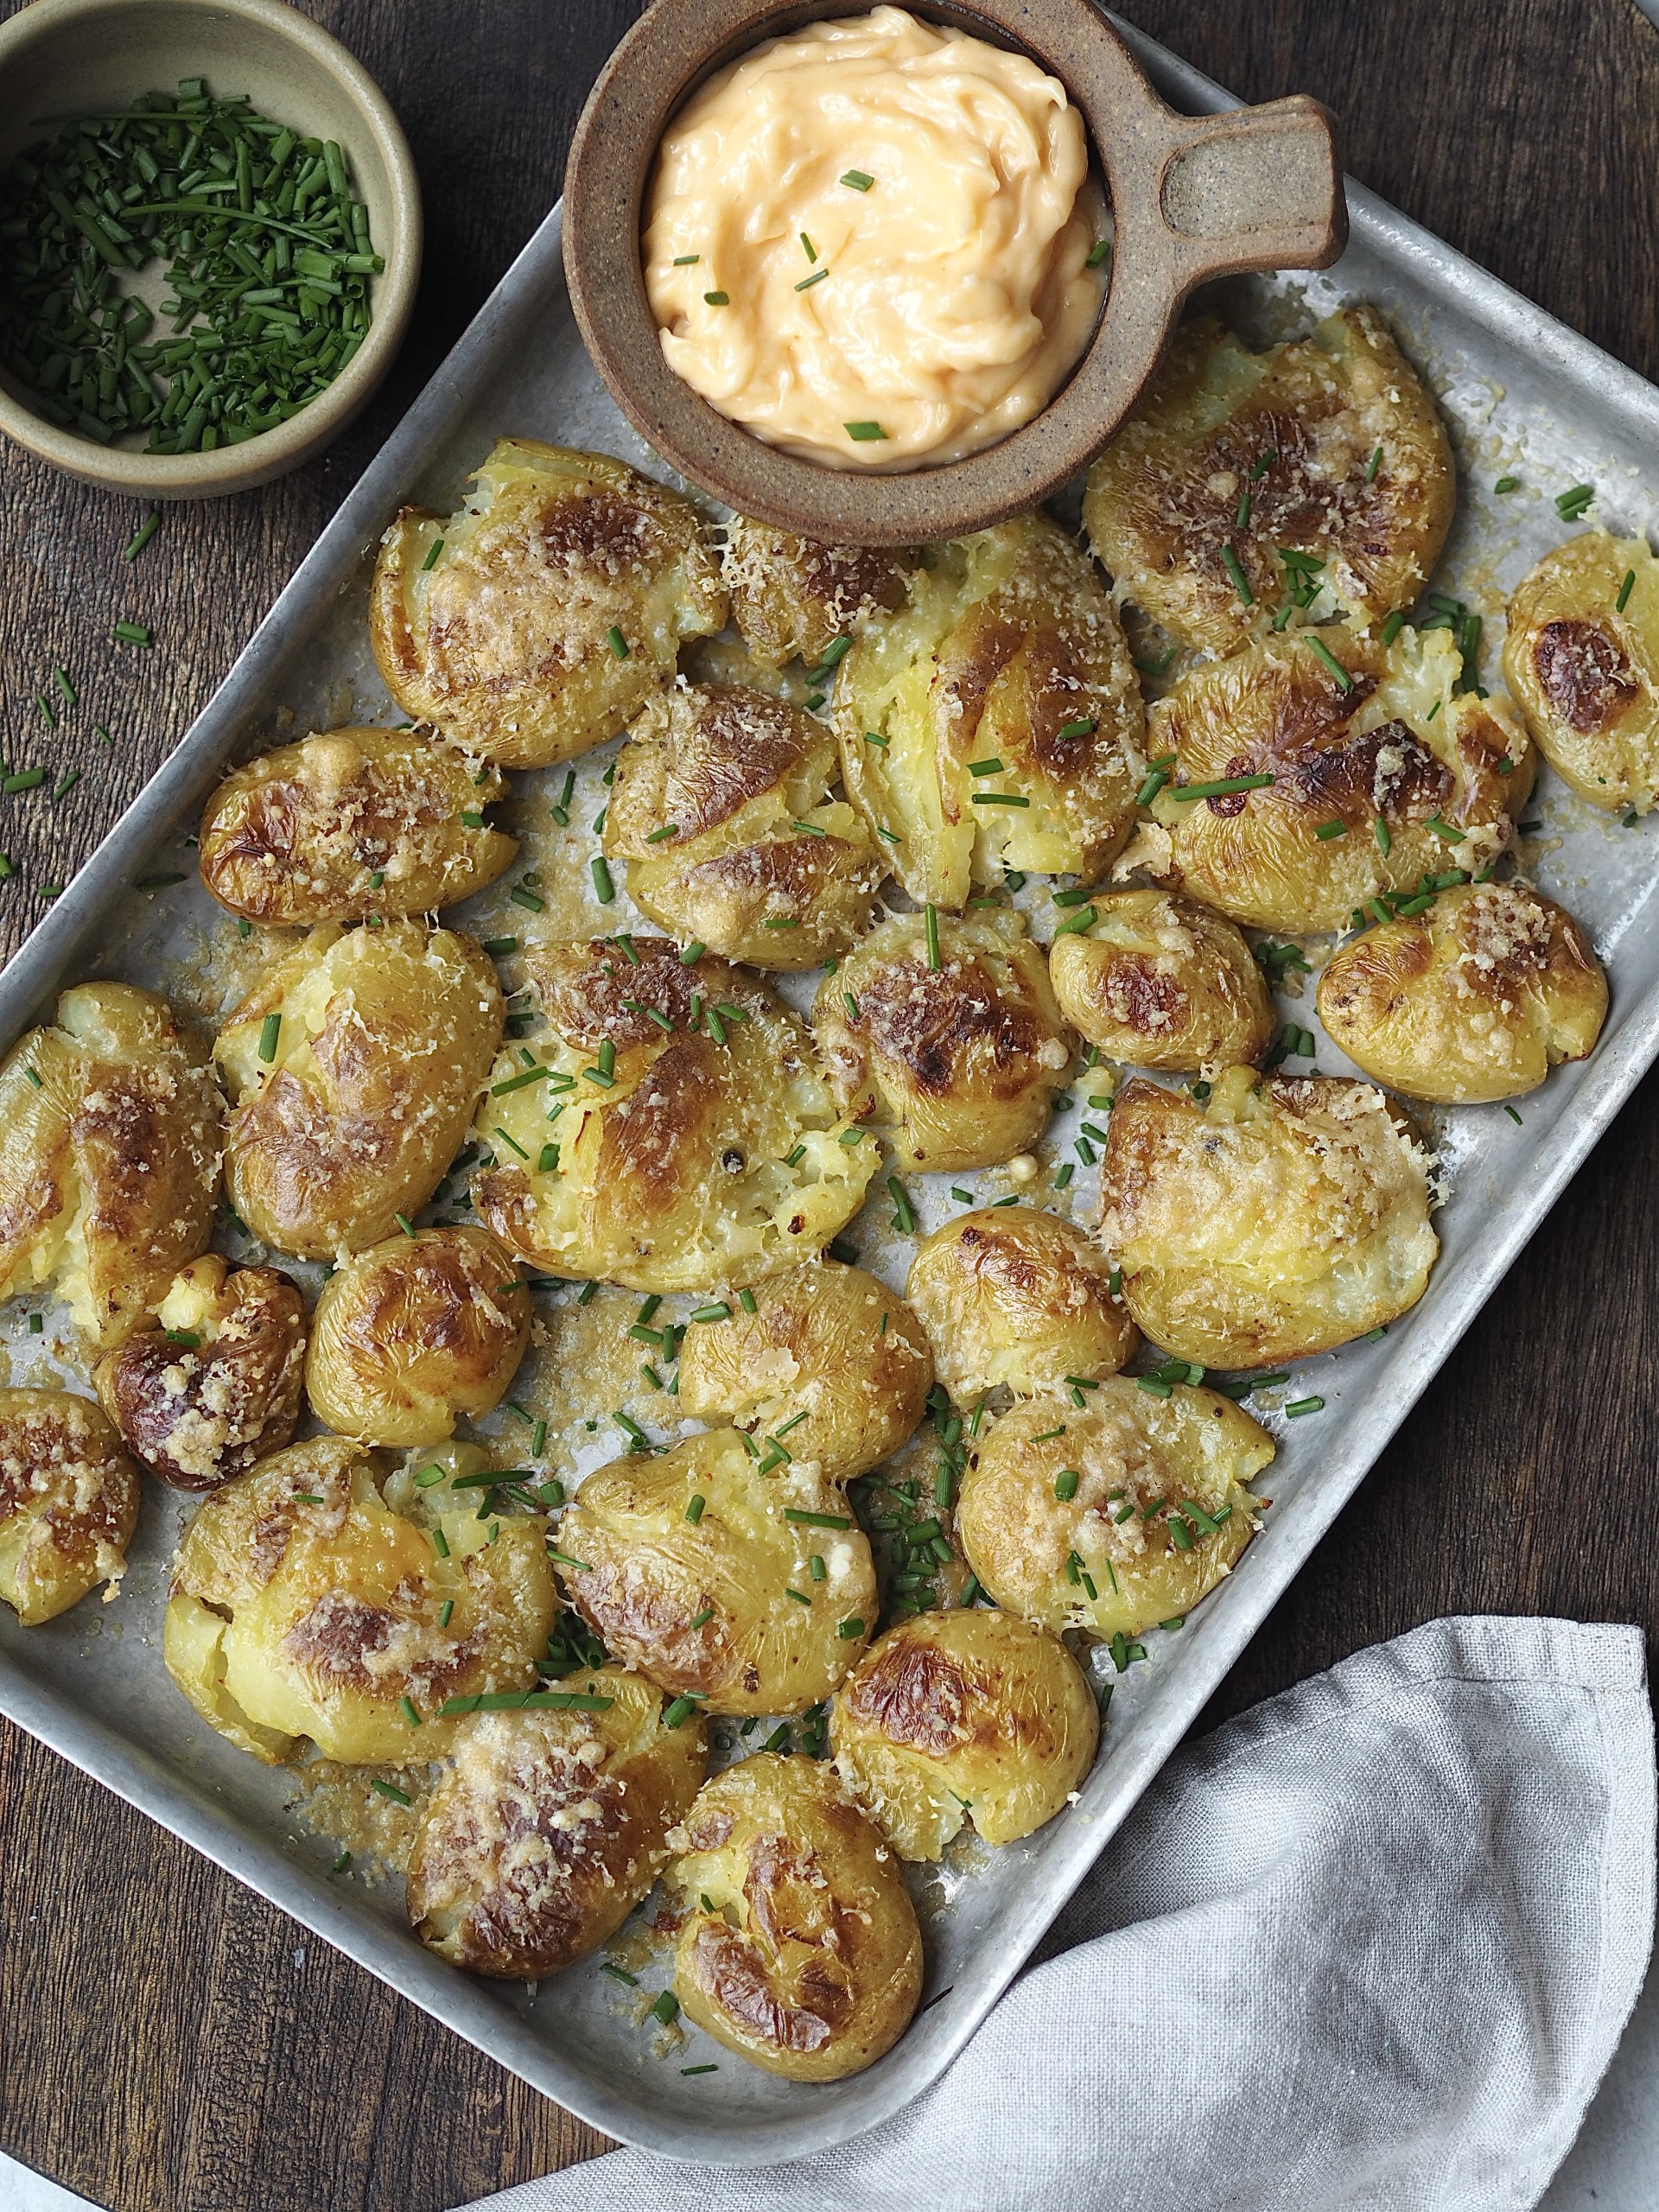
109,1156
799,1949
68,1503
352,1066
793,597
303,1607
551,608
830,1362
1017,1299
1393,741
963,1715
685,1565
1328,448
414,1333
354,823
216,1384
722,810
548,1828
1282,1216
1158,981
1009,660
1477,998
1114,1517
1581,656
708,1150
957,1065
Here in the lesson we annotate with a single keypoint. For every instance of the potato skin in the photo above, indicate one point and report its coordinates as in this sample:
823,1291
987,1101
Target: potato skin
810,1963
648,1573
792,598
503,641
732,775
1016,1300
386,1037
196,1414
1476,1000
1283,1216
964,1714
1009,650
1158,981
957,1067
301,835
1584,672
1403,745
109,1156
828,1342
1194,1449
549,1827
68,1503
676,1175
303,1607
414,1333
1296,427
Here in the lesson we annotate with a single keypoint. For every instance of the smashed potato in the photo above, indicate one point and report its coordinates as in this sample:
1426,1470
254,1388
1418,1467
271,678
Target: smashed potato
963,1715
722,809
682,1135
109,1156
1017,1299
1581,656
216,1385
1393,743
792,598
68,1503
698,1594
303,1607
1282,1216
352,1066
1477,998
956,1063
1158,981
354,823
1009,660
829,1360
531,625
1114,1517
414,1333
799,1949
1328,448
548,1828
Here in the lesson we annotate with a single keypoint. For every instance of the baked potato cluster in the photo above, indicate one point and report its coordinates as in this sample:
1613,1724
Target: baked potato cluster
886,1531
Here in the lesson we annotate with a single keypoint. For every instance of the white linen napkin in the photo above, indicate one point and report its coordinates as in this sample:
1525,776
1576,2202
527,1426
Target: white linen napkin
1368,1948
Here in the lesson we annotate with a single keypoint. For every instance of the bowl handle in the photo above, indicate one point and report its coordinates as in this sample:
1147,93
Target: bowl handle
1256,187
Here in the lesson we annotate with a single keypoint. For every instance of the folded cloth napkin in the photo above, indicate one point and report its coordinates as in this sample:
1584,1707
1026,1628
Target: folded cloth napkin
1369,1947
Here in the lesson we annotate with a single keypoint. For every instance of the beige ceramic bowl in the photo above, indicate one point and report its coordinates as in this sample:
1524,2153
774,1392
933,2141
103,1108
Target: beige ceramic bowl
63,58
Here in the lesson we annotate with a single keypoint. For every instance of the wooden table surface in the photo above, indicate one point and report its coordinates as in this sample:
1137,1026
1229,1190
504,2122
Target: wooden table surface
168,2043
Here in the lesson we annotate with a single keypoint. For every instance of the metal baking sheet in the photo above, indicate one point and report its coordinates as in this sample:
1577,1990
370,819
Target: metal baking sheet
1523,396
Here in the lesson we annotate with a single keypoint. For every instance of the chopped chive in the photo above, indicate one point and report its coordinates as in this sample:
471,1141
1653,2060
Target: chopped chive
874,737
685,261
565,1560
1086,917
431,560
1241,582
1081,728
1384,839
133,634
1241,511
406,1706
1571,504
1329,830
619,1973
717,299
1300,1405
985,768
1392,627
1322,652
720,1312
1221,788
933,928
1514,1116
141,535
404,1223
389,1790
806,284
1066,1484
60,677
816,1520
28,780
999,799
1624,591
1097,253
864,433
690,954
270,1030
856,180
693,1510
603,886
1373,464
1507,484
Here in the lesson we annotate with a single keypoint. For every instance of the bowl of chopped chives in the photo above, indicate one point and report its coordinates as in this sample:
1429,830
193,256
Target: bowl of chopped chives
210,240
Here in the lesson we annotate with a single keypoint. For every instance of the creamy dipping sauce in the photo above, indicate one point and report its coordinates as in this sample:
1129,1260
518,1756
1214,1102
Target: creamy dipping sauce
869,242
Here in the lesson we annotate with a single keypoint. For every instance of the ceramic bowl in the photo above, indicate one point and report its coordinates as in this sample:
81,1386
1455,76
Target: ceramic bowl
63,58
1192,197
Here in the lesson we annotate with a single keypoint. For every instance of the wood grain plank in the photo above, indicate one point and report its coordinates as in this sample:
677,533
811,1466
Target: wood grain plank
171,2043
